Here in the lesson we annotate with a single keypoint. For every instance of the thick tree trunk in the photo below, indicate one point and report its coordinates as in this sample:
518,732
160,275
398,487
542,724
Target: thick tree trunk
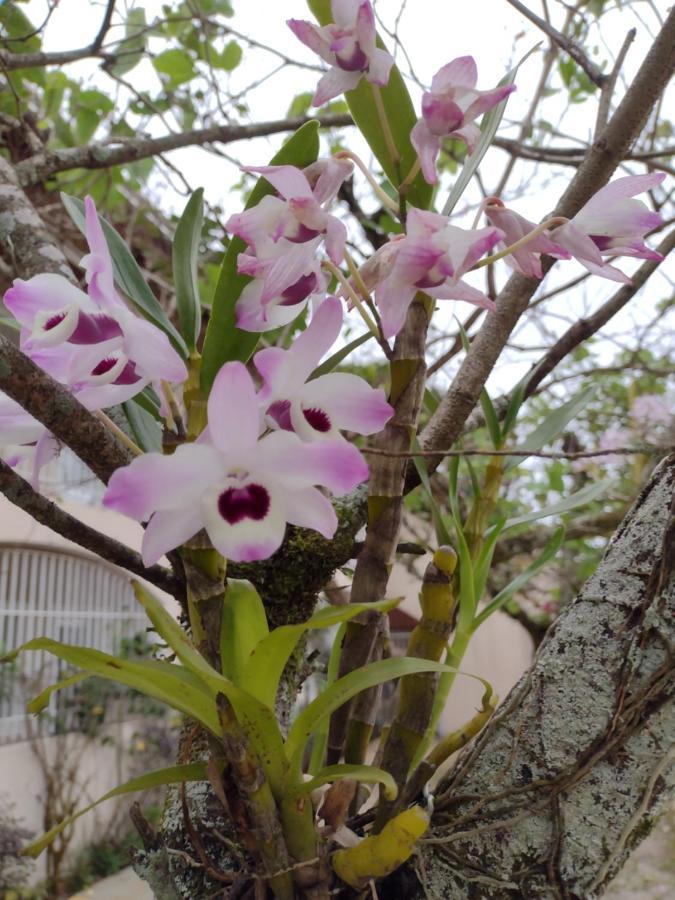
570,776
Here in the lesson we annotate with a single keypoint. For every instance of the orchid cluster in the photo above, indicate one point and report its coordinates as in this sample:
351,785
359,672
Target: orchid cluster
91,342
259,461
273,445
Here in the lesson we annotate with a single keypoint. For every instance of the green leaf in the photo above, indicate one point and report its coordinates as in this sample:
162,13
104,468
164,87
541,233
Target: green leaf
482,565
309,719
170,684
578,498
131,51
515,402
488,129
364,774
176,64
37,704
146,429
334,361
185,253
171,775
552,426
256,719
320,741
491,419
230,58
519,581
244,625
440,528
223,340
267,662
127,273
400,114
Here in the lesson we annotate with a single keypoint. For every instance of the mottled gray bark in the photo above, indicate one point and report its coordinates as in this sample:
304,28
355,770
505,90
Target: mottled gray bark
569,777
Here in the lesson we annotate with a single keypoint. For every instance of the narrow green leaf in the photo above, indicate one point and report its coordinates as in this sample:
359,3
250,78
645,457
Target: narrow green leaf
127,273
552,426
515,402
130,51
267,662
309,719
256,719
578,498
521,580
320,741
185,252
364,774
491,419
223,340
400,114
171,775
440,528
145,428
334,361
488,129
243,626
37,704
170,684
482,565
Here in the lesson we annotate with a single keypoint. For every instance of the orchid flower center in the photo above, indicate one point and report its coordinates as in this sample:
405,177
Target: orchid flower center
318,419
51,328
53,321
250,502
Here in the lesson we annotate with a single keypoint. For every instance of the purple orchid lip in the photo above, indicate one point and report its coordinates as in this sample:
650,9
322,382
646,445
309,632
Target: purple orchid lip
356,61
104,366
296,293
92,329
280,411
302,234
54,321
128,375
250,502
602,241
318,419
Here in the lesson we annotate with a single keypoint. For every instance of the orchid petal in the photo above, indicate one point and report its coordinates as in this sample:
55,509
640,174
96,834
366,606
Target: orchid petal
336,465
428,147
333,83
155,482
461,72
351,403
98,264
167,530
312,37
289,181
309,508
47,291
248,539
151,351
234,423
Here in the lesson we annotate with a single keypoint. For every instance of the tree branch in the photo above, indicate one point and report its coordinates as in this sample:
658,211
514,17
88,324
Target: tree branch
102,156
11,61
601,159
572,49
580,738
19,492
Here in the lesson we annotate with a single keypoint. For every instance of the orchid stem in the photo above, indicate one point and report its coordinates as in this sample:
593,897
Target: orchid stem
174,419
387,201
386,128
123,438
361,285
549,223
354,297
410,177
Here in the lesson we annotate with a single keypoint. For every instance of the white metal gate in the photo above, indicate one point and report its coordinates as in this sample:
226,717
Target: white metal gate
60,595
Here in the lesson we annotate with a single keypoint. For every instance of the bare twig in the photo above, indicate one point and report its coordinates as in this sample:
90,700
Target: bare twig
103,156
573,50
610,83
646,450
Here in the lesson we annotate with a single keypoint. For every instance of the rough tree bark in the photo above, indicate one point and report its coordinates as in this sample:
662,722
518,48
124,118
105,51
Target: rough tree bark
571,774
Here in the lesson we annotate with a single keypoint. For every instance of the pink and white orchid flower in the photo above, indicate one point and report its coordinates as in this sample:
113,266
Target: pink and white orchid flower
612,224
526,259
448,110
284,233
432,258
241,488
348,45
317,409
26,443
91,341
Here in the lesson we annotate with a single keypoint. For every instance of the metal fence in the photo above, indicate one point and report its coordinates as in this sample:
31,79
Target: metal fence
67,597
